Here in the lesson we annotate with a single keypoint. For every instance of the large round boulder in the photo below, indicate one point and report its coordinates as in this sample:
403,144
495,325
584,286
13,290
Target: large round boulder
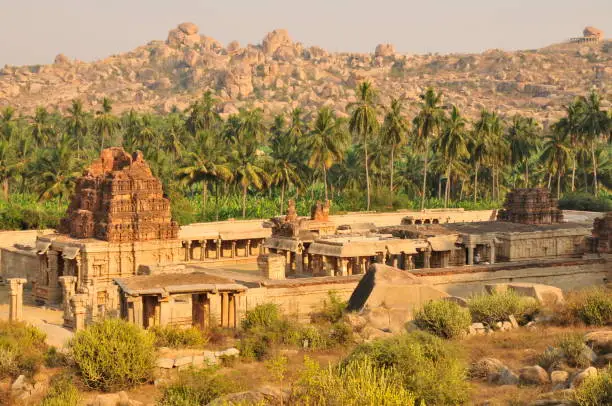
188,28
384,50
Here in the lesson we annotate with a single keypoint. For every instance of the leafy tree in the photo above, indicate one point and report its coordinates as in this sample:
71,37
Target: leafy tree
77,124
595,125
105,123
427,124
202,114
58,168
394,130
523,135
570,125
556,153
363,123
453,148
326,142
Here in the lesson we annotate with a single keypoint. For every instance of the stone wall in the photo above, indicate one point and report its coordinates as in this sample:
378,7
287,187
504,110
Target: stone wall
16,263
567,275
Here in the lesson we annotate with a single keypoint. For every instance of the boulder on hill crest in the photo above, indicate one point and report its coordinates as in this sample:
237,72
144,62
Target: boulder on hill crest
384,50
275,40
188,28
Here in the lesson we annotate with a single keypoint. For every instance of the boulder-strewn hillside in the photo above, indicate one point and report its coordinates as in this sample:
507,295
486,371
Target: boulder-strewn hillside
280,74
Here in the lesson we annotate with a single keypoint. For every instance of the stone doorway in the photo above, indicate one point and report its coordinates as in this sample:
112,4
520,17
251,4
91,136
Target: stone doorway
150,311
200,311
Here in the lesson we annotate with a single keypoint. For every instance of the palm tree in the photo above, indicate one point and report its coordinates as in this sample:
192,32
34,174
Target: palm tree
206,164
326,142
523,136
394,129
77,124
58,169
494,149
452,148
556,153
105,122
132,124
571,126
41,126
8,123
147,133
363,123
244,131
595,125
297,127
9,165
202,114
427,125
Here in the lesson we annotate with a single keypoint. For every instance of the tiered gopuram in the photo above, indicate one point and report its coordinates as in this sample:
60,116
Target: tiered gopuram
530,206
119,200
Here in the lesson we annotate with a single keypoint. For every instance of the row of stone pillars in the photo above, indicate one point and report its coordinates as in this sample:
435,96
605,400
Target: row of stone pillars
204,253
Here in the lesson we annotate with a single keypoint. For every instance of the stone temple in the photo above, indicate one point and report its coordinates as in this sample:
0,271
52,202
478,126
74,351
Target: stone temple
119,252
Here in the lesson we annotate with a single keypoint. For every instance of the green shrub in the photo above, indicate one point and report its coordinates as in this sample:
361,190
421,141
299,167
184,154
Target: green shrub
596,390
196,387
22,349
174,337
585,202
551,358
332,310
590,306
573,349
62,393
496,307
443,318
265,315
358,382
340,333
431,368
113,355
55,358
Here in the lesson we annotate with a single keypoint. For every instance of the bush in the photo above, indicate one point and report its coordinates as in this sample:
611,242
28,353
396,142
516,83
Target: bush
573,349
586,202
196,387
113,354
22,349
174,337
596,390
358,382
62,393
264,315
431,368
443,318
332,311
54,358
490,309
552,358
590,306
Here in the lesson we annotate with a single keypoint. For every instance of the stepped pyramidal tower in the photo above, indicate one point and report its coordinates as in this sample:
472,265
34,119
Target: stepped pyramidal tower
119,200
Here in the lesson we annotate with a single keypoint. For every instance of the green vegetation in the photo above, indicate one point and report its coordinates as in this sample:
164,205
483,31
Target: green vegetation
490,309
62,392
358,382
22,349
443,318
573,349
113,354
596,390
265,328
196,387
174,337
586,202
590,306
248,166
430,368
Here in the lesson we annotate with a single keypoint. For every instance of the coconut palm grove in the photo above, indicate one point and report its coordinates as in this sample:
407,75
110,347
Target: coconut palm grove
415,154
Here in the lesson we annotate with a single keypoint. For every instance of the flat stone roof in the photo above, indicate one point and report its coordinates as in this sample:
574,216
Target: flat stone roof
176,283
508,227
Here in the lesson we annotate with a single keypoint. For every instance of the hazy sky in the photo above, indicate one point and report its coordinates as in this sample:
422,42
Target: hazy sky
34,31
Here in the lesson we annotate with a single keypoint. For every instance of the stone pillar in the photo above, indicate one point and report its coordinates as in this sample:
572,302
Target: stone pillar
492,252
187,250
79,310
426,259
203,251
16,298
92,291
231,310
299,262
395,261
445,259
54,291
470,254
233,248
410,265
165,310
214,300
219,241
68,290
342,267
77,267
224,309
247,252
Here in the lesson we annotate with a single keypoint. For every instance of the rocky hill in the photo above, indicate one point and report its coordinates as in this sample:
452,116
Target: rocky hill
280,74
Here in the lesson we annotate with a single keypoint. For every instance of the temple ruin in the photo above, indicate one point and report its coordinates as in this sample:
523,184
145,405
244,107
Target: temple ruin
530,206
589,34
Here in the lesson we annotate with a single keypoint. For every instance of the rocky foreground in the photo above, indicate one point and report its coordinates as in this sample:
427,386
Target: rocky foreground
280,74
